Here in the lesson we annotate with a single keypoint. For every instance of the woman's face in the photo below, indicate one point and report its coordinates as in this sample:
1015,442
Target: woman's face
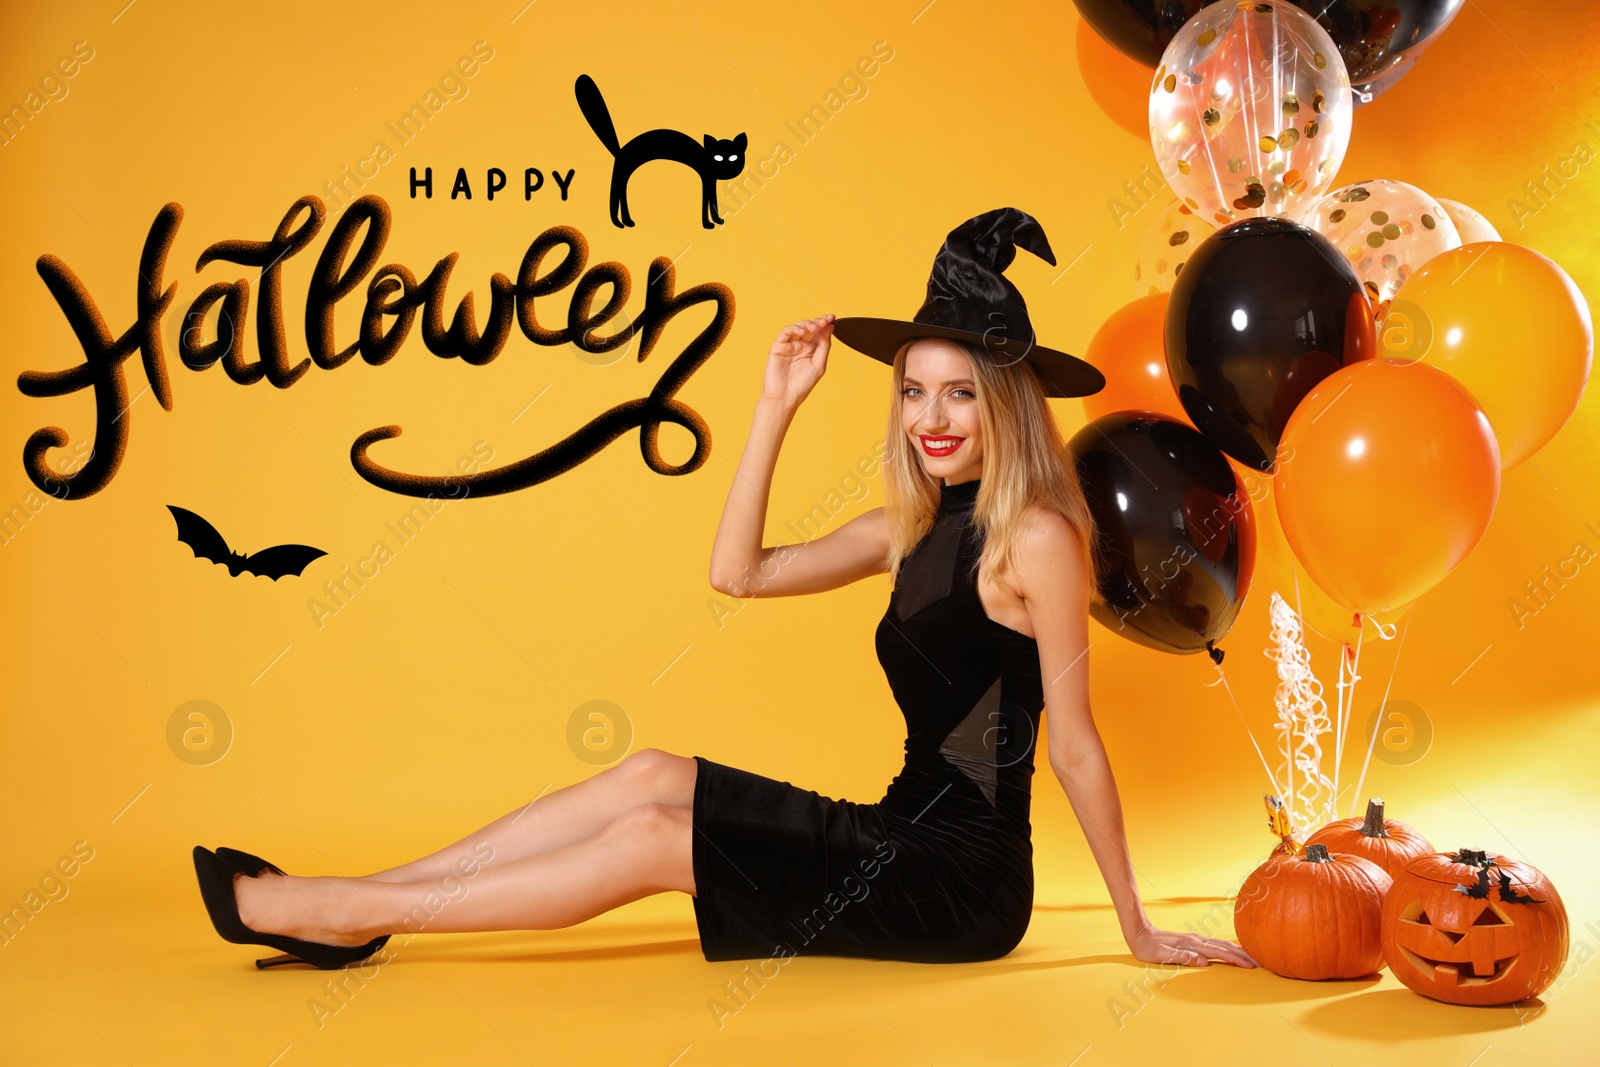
939,410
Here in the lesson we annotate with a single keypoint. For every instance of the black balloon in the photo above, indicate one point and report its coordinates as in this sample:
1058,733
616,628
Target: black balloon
1139,29
1264,309
1175,531
1378,39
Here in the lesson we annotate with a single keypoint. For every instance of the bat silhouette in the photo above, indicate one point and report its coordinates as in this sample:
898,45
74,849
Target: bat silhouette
208,544
1509,894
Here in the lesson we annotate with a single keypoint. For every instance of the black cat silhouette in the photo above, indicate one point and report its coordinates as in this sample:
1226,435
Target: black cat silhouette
712,159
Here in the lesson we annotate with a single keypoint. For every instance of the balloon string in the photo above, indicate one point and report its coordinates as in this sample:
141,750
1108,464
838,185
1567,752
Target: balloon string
1355,800
1387,635
1299,612
1247,79
1348,666
1223,678
1211,161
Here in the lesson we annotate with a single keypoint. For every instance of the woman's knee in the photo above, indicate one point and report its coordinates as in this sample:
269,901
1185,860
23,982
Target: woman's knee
673,775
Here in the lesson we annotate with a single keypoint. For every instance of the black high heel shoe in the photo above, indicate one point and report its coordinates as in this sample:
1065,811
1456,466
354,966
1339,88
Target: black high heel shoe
216,873
252,866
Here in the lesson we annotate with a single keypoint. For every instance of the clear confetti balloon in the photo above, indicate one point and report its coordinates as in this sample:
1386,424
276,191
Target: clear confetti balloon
1250,111
1386,229
1173,235
1471,224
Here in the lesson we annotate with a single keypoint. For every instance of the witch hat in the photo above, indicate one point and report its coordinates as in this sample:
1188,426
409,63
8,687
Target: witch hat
969,299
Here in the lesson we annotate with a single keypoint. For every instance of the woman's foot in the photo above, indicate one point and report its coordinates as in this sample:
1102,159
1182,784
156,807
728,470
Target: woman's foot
311,909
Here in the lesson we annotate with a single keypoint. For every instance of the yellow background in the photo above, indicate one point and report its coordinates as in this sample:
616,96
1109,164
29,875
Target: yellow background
439,697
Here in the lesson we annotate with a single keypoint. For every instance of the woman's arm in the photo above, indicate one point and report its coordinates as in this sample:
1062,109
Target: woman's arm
737,555
1053,583
740,565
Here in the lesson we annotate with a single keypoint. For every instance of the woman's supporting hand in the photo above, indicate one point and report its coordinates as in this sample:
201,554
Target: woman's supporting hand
1154,945
797,360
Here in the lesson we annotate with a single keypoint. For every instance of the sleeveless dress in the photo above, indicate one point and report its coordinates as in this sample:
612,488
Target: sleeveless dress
941,869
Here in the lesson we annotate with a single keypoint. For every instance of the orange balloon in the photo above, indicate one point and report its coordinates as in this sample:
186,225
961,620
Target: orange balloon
1387,476
1510,326
1278,571
1116,83
1299,377
1130,350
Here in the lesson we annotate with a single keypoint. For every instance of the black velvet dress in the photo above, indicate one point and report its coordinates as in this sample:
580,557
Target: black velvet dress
941,869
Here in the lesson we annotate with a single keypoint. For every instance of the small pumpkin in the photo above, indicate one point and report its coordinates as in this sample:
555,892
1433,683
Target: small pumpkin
1389,843
1470,927
1313,916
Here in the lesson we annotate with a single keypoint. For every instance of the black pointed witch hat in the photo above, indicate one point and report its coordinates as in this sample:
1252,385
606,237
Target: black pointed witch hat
969,299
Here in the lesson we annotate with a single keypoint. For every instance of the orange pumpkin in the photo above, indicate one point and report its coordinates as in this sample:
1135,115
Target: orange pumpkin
1313,916
1470,927
1389,843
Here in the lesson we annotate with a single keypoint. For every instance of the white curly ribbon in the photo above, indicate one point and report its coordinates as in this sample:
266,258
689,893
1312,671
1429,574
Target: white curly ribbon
1309,795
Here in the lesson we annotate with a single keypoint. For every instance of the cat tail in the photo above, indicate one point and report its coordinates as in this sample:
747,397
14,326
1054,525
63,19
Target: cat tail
593,106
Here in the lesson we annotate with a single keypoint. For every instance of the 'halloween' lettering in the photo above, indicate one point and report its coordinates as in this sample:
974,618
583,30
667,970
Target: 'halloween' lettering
393,299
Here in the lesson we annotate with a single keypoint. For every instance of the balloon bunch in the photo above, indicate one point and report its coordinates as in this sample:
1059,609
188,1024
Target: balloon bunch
1371,356
1377,42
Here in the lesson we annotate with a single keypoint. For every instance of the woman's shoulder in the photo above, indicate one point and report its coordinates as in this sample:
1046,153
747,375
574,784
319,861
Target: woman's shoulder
1049,549
1043,529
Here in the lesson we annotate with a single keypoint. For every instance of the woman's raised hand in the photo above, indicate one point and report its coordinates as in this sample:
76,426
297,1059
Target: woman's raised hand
797,360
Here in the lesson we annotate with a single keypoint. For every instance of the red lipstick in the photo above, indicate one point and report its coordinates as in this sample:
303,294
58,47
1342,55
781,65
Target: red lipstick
940,444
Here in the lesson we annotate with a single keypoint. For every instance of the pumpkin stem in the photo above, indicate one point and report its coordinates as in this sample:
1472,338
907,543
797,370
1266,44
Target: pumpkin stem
1373,827
1317,853
1472,856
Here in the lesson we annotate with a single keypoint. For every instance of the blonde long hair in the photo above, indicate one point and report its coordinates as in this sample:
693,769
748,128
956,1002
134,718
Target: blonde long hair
1025,462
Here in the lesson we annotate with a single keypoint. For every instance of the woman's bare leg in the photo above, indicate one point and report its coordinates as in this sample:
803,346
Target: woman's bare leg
564,817
646,850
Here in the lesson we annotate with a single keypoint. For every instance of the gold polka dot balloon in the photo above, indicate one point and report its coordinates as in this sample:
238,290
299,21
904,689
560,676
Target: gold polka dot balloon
1386,229
1250,111
1470,223
1173,235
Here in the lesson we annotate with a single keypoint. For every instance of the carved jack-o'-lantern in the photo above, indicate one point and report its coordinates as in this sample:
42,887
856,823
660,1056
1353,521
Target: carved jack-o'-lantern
1470,927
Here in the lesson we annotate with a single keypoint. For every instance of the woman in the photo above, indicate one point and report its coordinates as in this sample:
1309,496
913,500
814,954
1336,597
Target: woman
988,537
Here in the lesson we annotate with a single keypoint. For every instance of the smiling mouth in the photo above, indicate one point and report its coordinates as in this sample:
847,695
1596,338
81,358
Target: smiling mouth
941,445
1457,972
1480,964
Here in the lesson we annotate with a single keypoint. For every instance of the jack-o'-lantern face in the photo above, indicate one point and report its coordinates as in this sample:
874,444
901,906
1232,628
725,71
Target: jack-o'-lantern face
1470,928
1480,951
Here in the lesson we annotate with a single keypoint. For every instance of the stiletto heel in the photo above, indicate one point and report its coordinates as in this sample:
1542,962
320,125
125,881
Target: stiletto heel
216,873
277,961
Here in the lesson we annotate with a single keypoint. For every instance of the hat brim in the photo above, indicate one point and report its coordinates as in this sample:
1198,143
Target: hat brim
1060,374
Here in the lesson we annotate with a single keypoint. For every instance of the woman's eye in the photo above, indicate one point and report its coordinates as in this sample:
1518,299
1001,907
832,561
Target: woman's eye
964,393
